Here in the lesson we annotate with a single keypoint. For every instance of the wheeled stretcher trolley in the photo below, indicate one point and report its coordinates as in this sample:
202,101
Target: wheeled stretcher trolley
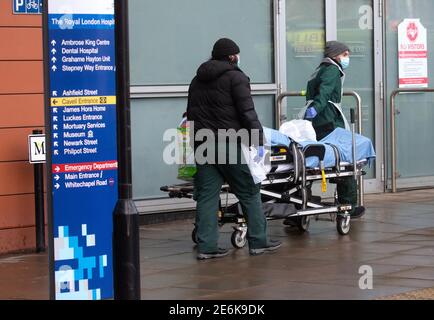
287,191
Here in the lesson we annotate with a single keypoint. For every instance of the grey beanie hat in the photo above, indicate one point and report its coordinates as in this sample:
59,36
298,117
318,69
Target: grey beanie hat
335,48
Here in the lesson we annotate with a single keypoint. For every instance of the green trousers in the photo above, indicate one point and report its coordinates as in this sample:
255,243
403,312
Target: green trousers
208,181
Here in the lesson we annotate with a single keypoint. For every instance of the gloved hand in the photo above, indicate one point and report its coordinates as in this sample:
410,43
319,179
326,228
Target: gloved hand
310,113
260,155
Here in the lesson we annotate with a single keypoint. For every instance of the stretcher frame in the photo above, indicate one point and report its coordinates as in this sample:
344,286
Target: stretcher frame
296,182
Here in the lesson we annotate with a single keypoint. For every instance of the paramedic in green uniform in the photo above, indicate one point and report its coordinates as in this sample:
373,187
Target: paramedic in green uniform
324,96
219,98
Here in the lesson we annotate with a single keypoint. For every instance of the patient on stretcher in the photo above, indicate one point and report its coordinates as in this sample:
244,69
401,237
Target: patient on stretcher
340,138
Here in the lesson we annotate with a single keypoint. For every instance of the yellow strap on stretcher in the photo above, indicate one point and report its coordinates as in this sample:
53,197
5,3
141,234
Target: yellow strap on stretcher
323,182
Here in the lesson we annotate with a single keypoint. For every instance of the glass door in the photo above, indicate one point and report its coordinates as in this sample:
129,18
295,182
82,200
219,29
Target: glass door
415,111
357,23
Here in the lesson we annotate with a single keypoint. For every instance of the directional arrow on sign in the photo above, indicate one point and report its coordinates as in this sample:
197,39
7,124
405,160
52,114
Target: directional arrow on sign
53,42
56,177
54,93
53,51
55,119
54,68
56,152
55,127
54,59
54,110
57,169
56,144
55,136
54,101
57,186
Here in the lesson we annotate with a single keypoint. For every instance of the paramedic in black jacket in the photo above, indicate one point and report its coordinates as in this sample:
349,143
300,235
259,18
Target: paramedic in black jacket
219,98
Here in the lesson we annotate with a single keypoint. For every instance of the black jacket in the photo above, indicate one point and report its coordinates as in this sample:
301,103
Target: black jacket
219,98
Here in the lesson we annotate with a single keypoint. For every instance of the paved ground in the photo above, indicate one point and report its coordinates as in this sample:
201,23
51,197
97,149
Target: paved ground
395,238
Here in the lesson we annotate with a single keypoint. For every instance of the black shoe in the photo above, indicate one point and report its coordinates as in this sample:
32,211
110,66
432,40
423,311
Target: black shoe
272,245
358,212
212,255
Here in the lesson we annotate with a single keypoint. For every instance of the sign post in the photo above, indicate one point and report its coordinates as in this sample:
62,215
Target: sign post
126,237
83,101
413,54
37,152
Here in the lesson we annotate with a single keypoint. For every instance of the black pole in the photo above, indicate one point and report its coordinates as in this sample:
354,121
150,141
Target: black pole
39,203
48,142
126,260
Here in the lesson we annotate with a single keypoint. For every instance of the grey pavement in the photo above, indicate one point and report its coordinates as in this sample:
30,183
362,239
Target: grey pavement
395,238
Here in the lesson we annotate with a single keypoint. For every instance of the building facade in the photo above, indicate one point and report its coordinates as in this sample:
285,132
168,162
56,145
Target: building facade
21,111
281,44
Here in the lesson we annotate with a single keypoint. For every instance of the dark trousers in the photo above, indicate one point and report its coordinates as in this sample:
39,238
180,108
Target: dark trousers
208,181
347,187
347,191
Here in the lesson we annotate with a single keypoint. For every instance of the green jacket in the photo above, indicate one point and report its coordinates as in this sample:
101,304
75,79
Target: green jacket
324,86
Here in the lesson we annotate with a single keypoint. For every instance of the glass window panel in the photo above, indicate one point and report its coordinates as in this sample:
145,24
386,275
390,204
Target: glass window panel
264,106
150,118
170,38
305,38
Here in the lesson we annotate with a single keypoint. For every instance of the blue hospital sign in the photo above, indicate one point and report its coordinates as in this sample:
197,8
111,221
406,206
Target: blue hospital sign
83,146
27,6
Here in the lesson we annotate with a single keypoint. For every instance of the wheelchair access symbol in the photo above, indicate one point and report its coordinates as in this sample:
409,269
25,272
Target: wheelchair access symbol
27,6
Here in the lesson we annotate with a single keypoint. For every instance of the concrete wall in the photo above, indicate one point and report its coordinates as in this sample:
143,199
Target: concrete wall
21,111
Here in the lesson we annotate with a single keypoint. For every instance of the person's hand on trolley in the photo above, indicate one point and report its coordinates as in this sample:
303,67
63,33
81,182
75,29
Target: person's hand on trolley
260,155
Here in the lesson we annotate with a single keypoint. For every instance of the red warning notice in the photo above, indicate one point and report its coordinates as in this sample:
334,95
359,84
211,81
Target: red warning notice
413,54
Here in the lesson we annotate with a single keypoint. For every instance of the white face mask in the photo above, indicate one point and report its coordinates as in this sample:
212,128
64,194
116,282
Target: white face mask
238,60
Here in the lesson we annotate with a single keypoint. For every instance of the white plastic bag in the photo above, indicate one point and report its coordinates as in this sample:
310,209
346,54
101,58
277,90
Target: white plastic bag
299,130
259,169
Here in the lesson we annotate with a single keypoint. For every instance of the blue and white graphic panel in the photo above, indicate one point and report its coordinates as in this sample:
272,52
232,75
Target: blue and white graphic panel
81,41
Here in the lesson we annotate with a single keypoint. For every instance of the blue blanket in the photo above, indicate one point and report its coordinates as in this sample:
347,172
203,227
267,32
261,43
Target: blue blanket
341,138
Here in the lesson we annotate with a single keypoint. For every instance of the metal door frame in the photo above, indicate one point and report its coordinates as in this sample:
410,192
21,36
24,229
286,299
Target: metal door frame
380,102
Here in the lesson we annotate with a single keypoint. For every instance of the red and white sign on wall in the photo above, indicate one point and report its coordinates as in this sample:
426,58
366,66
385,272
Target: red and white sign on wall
413,54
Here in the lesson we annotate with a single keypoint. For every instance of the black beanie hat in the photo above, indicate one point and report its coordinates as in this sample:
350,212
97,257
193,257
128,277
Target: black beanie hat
224,47
335,48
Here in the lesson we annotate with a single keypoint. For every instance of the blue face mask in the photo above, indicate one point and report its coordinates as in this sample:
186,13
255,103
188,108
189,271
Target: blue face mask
238,60
345,62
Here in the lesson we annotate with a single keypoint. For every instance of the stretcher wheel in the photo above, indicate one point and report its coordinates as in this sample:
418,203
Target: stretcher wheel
238,239
343,225
194,235
303,223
